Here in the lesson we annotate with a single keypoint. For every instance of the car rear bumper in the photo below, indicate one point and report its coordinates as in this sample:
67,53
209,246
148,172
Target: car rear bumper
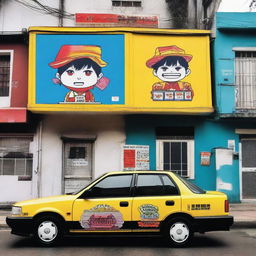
213,223
20,225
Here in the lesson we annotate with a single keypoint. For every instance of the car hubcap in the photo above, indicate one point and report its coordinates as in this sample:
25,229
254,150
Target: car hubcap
47,231
179,232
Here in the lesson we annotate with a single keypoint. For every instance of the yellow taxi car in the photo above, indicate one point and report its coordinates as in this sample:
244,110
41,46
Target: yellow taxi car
130,202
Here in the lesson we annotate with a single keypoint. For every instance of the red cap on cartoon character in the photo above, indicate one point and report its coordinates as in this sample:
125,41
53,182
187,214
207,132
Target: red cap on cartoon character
68,53
166,51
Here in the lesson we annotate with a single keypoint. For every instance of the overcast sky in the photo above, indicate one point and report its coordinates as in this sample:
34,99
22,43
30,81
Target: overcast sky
235,6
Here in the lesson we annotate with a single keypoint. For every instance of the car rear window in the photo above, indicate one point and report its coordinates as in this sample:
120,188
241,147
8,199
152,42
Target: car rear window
192,187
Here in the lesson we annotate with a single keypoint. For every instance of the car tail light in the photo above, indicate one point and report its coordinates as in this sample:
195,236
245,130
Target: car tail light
226,206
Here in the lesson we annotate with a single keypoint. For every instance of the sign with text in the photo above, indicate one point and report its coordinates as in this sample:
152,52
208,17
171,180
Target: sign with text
135,157
106,19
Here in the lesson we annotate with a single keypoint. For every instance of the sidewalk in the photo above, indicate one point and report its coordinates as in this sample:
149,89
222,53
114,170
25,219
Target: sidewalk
244,215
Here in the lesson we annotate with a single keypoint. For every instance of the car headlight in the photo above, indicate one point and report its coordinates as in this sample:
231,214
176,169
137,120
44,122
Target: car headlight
16,210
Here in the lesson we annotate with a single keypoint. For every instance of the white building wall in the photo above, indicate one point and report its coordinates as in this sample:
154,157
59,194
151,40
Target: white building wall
15,16
110,135
10,185
47,145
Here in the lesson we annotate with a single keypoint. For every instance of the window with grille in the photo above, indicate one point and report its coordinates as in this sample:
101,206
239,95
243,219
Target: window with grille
126,3
5,77
15,158
245,79
175,150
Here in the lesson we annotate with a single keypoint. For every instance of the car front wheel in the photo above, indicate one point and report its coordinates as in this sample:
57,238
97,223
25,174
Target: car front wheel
48,230
178,232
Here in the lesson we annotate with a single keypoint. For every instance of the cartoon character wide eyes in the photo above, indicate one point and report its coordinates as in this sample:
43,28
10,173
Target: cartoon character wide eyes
88,72
70,72
164,68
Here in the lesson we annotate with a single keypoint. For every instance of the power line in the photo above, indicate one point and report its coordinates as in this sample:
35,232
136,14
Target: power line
45,9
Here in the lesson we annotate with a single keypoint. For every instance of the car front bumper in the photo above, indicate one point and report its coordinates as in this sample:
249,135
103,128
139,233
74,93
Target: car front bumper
20,225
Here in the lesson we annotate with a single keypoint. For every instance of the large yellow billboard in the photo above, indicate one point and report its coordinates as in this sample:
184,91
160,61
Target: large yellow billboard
122,70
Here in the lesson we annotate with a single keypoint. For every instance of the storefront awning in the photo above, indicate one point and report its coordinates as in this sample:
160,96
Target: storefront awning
13,115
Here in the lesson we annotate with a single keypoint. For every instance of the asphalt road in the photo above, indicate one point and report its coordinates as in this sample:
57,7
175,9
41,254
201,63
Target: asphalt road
237,242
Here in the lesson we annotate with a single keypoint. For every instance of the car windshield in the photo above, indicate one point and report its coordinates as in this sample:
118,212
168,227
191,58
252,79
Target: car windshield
80,190
192,187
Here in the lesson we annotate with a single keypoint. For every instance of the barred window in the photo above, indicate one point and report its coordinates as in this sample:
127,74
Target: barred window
126,3
175,150
5,60
15,158
245,77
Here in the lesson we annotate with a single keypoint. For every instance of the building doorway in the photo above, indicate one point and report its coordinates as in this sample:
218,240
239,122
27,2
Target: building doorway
248,168
77,165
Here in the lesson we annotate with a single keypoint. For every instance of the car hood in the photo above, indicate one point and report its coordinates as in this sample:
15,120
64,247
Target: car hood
49,199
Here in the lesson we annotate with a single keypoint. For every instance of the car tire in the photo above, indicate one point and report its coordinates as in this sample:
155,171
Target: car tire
178,232
48,230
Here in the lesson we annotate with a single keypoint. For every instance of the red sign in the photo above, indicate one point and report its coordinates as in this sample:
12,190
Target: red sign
205,158
129,158
106,19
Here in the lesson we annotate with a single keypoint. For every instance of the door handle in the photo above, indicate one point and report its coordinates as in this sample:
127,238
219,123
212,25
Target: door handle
169,203
124,204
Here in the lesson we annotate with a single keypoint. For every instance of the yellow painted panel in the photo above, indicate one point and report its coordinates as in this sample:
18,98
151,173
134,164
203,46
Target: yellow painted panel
133,86
145,79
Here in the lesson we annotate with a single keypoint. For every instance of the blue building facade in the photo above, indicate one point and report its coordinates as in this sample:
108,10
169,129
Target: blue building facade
209,135
234,52
223,144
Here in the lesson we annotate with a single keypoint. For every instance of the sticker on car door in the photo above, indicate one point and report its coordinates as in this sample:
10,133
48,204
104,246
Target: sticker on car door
101,217
149,216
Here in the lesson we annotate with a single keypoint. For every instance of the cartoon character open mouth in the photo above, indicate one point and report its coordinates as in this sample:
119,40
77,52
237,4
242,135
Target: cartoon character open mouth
78,83
171,75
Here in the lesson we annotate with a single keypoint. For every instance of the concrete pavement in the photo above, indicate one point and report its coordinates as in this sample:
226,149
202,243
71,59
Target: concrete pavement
244,215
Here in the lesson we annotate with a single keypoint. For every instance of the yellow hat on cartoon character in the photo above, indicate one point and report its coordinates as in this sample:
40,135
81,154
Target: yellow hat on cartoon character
68,53
167,51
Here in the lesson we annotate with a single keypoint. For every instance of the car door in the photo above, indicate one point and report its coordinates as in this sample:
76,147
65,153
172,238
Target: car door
104,207
156,196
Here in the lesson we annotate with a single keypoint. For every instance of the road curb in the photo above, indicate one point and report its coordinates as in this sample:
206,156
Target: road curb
244,224
4,226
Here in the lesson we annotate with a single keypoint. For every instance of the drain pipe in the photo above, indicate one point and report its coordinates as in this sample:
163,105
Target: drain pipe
61,12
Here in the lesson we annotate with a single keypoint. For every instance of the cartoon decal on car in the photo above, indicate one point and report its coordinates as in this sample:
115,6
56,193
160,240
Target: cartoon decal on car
101,217
170,65
79,69
149,215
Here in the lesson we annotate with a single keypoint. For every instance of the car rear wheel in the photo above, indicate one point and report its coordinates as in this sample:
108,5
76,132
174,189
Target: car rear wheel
48,230
178,232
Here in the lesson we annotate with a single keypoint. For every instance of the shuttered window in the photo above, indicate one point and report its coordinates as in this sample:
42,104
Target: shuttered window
4,74
245,77
15,158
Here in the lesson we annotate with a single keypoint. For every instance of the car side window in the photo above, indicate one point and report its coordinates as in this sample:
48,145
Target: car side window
155,185
112,186
169,187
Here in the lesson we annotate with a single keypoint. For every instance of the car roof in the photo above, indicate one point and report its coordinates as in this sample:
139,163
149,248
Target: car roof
139,171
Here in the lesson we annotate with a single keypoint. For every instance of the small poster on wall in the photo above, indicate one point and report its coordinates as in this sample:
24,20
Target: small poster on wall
205,158
135,157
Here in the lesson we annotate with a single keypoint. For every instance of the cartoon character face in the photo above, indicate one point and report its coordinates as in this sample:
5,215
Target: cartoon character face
172,73
79,78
